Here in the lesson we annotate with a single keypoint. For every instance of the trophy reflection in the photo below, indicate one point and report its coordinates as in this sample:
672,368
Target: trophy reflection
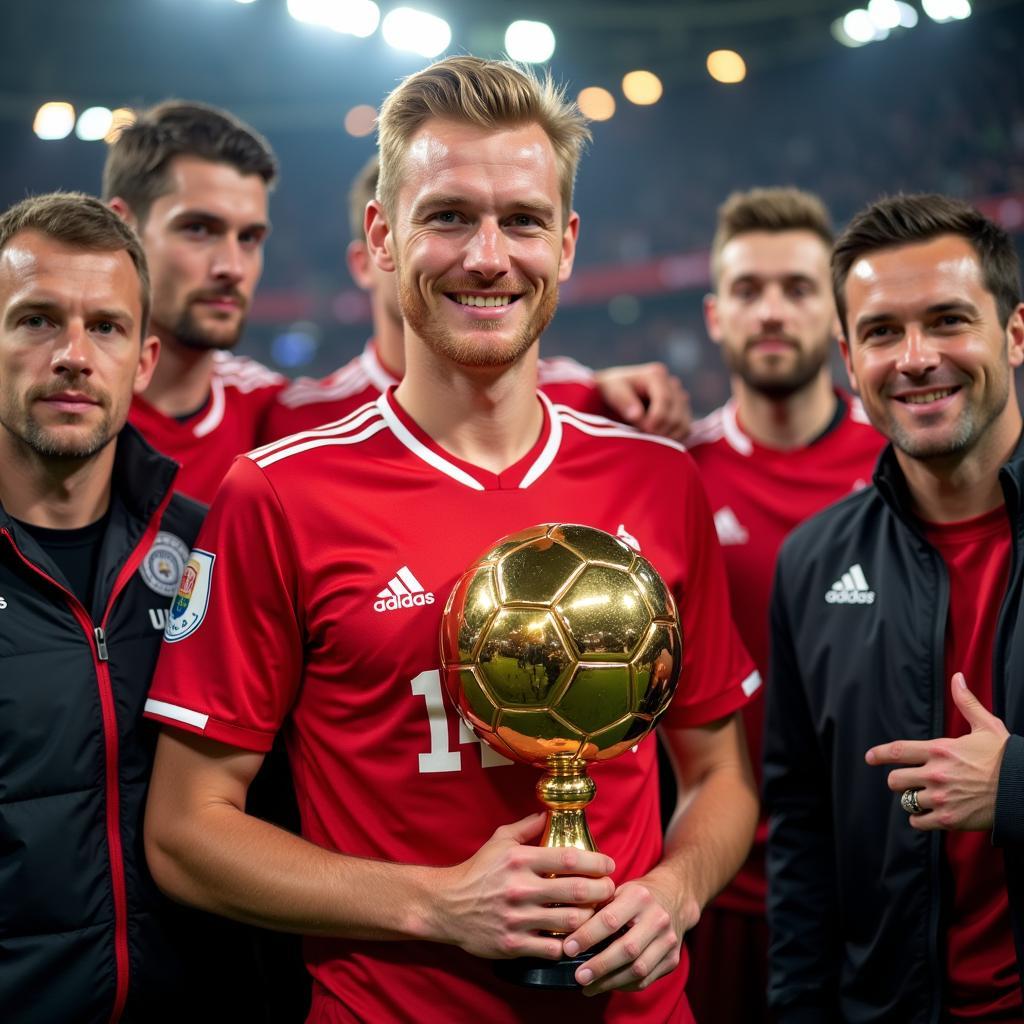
560,647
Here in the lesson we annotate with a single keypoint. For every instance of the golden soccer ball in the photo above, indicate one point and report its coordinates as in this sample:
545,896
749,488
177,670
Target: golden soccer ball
561,641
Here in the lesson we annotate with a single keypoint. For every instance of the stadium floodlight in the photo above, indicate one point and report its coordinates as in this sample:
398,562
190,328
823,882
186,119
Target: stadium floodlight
54,120
596,103
726,66
840,34
908,14
361,120
947,10
405,28
642,88
861,28
94,123
349,17
531,42
884,14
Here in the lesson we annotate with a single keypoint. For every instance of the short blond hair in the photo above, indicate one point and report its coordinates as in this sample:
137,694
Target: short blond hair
772,210
489,93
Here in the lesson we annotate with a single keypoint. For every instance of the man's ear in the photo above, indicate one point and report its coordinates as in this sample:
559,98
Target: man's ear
570,236
148,357
124,211
359,261
844,351
711,317
379,238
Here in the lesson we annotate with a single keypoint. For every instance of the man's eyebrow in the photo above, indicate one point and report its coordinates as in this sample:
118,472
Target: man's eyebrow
49,306
214,218
794,275
442,200
957,305
437,200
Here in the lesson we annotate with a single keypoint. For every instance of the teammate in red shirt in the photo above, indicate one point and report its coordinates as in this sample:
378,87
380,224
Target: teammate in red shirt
785,445
194,182
396,878
646,395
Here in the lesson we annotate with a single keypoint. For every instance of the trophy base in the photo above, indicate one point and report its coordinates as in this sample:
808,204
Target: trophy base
533,972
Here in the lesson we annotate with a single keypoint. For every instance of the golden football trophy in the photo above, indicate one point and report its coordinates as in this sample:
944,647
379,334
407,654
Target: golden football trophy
560,647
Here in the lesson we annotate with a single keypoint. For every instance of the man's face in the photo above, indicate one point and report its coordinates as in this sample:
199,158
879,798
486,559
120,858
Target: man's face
772,312
926,350
70,352
477,240
204,243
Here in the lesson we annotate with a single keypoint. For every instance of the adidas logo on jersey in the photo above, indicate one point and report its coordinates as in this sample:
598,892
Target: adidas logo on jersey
403,591
851,588
729,529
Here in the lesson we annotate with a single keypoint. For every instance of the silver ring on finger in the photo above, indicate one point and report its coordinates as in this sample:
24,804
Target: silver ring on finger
908,801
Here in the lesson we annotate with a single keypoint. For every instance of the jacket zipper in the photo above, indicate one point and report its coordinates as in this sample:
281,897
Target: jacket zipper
101,663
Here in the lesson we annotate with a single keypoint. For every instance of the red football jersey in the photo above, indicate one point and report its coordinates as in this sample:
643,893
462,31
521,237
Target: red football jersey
308,403
328,627
758,495
242,393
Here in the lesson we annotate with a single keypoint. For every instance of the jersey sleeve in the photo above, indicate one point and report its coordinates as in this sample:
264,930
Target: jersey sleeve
718,675
231,662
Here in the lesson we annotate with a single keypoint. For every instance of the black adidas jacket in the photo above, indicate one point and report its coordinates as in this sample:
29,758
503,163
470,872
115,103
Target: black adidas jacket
854,898
85,936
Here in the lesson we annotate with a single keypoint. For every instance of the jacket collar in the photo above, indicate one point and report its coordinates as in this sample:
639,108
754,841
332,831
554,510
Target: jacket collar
141,476
893,488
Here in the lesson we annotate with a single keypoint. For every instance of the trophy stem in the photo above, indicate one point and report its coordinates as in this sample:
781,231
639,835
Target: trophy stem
566,790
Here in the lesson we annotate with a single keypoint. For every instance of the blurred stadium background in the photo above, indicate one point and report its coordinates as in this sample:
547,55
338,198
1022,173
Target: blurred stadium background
850,103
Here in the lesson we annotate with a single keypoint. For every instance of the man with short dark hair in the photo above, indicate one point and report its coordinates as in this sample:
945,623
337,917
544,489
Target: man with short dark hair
194,181
92,542
646,395
785,445
897,896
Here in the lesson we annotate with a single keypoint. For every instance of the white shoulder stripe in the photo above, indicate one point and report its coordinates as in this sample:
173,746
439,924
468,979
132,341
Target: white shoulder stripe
301,393
704,431
560,369
322,442
347,424
597,426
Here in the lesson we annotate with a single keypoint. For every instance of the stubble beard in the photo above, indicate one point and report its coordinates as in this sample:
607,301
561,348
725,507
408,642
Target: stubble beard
189,333
46,442
778,386
465,352
970,428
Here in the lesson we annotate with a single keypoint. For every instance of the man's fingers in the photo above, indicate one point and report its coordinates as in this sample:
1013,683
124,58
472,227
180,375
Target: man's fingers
655,960
623,399
906,778
668,408
522,831
569,861
977,715
898,752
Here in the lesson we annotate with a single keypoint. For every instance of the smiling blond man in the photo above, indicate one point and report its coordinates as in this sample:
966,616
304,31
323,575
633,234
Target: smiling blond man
417,862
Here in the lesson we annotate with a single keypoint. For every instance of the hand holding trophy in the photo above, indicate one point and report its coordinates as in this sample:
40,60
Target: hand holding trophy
560,647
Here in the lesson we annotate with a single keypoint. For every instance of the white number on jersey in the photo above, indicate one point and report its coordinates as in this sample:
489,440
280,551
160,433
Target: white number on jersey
440,759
